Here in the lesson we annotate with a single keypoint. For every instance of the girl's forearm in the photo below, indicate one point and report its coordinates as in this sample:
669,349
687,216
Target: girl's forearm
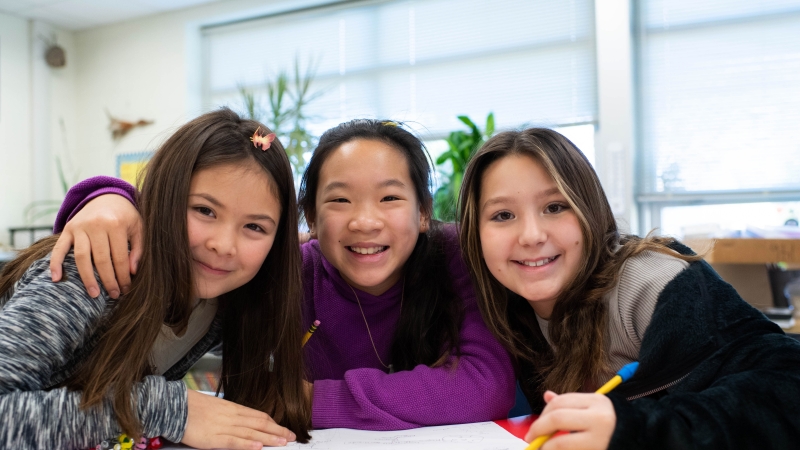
54,418
80,194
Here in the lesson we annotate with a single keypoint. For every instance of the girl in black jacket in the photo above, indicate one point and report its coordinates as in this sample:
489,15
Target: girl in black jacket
574,300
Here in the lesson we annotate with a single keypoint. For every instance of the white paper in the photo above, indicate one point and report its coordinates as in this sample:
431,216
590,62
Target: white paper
470,436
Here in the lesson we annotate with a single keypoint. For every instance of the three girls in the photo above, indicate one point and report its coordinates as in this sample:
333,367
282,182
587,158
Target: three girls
402,343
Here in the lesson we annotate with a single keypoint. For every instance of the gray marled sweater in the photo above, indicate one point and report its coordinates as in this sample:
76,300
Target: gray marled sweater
46,331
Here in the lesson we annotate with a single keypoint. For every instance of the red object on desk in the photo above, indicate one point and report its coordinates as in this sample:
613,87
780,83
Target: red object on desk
518,426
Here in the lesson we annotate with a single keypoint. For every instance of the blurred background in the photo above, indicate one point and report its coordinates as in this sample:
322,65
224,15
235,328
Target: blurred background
689,110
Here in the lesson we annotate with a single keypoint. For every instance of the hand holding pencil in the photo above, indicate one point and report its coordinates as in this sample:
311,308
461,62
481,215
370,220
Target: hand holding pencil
590,417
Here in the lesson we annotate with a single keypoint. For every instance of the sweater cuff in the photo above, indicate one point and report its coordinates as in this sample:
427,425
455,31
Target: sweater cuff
85,191
333,404
163,408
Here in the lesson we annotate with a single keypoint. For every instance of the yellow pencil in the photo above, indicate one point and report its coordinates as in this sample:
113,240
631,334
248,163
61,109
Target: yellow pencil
310,332
622,376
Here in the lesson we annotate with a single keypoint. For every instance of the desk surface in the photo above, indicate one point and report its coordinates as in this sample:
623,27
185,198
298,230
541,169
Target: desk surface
469,436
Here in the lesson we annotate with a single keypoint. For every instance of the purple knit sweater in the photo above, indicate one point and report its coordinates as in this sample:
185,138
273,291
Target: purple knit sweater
351,388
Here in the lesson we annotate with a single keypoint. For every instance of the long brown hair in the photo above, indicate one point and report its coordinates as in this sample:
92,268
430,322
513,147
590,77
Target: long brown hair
260,319
579,322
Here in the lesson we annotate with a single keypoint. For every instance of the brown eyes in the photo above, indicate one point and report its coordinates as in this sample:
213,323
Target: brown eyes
502,216
254,227
555,208
552,208
204,211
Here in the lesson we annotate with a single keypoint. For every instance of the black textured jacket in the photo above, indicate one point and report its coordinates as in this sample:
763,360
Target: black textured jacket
714,373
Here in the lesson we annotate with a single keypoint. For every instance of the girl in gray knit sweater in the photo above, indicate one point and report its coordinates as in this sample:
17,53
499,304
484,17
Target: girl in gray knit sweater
220,265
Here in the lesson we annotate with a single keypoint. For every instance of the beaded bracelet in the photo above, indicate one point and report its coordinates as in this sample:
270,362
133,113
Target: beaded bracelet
123,442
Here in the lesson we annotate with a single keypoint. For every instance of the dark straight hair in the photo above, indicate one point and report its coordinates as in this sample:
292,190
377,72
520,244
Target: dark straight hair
260,318
428,330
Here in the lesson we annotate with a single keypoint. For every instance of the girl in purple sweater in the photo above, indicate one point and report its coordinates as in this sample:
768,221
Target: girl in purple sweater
401,342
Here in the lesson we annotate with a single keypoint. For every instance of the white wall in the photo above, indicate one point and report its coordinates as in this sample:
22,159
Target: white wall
148,68
15,161
37,119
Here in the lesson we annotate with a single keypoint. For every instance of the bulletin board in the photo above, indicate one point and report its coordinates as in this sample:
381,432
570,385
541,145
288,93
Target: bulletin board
130,165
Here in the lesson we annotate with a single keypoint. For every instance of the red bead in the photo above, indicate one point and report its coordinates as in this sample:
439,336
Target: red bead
155,443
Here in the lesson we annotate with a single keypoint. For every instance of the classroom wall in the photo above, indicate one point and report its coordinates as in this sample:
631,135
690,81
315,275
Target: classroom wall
147,68
150,68
36,113
15,161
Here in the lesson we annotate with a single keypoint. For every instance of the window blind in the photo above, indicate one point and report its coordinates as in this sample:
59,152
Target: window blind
719,96
423,62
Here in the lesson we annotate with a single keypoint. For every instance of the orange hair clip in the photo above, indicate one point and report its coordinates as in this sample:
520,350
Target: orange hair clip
264,141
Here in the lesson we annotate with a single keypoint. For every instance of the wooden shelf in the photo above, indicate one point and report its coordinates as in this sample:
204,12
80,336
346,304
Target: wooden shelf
747,250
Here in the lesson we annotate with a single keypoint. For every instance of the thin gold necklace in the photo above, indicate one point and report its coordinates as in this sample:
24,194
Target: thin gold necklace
390,367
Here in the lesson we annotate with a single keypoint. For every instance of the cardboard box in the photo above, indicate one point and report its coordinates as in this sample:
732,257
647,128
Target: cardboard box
742,262
747,251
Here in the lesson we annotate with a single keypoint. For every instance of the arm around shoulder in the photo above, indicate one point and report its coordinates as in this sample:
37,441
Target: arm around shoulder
80,194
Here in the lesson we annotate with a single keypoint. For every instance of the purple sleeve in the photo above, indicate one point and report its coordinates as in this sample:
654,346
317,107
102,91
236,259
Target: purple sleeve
478,387
83,192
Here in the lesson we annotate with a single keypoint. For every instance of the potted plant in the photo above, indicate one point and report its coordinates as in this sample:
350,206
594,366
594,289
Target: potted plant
285,112
462,145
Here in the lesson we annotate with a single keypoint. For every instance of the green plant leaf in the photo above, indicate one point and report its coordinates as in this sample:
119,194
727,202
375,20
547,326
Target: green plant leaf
489,125
444,157
462,145
468,122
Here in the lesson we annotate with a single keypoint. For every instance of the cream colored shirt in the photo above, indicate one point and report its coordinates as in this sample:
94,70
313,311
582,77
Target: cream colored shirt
630,306
169,348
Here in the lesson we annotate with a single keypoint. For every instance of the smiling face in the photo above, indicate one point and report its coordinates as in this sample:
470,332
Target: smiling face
530,237
232,219
367,217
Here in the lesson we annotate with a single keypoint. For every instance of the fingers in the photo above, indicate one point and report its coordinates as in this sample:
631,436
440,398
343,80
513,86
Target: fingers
265,427
562,419
83,260
574,401
101,254
251,413
570,441
60,250
136,247
232,442
590,415
214,422
557,414
268,439
118,242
